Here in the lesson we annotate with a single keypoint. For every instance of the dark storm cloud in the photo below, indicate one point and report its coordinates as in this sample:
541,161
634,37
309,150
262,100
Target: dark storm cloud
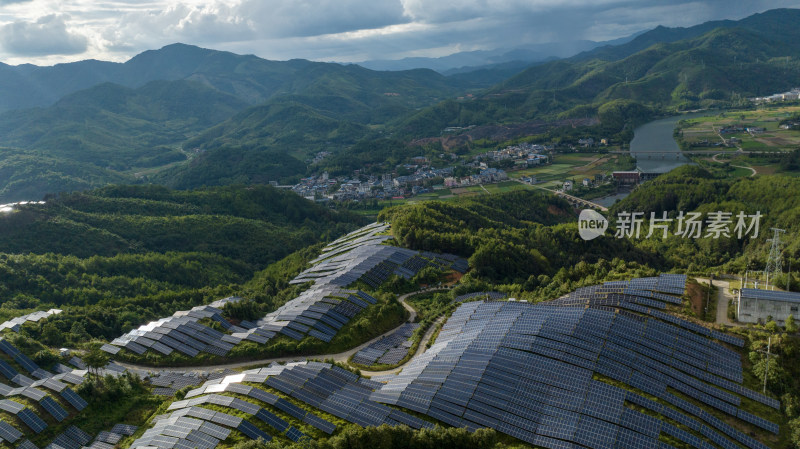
343,30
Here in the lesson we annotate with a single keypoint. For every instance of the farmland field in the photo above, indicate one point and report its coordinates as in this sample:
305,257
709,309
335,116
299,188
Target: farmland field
704,132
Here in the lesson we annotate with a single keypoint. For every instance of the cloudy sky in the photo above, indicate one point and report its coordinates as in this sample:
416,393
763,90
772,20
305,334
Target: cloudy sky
46,32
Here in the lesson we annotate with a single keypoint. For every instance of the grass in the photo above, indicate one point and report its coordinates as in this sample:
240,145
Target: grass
774,139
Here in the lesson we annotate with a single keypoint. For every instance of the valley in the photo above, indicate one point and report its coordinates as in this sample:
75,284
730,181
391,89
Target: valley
201,249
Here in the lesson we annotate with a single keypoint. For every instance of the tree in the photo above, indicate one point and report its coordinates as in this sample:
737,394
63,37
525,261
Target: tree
45,358
95,359
78,333
790,325
51,335
771,326
794,429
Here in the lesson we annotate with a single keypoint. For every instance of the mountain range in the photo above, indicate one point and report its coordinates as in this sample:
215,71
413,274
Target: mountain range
468,61
186,116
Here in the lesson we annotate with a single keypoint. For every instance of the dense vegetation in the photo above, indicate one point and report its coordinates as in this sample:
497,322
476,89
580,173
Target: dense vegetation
398,437
691,189
119,256
519,237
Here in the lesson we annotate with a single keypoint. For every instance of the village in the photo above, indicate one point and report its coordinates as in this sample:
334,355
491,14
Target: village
422,178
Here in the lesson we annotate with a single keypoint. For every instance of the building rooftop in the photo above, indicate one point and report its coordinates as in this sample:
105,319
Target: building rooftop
770,295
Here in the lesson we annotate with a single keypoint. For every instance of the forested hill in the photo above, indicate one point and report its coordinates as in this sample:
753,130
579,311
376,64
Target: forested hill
522,237
119,128
251,225
247,77
718,64
116,257
693,189
98,123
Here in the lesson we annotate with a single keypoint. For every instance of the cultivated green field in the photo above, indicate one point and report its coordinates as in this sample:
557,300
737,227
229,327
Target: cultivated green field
699,129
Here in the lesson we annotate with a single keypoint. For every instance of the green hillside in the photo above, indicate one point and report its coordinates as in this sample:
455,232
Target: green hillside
121,255
717,66
257,225
116,127
28,175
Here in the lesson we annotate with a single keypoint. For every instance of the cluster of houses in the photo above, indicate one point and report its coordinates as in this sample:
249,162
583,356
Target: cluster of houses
733,129
791,125
322,188
791,95
569,184
486,176
524,154
315,187
420,178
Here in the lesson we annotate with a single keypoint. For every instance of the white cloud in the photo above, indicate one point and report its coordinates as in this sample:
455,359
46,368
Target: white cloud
191,23
46,36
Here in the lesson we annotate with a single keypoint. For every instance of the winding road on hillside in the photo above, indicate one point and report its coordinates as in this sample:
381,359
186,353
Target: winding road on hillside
714,158
341,357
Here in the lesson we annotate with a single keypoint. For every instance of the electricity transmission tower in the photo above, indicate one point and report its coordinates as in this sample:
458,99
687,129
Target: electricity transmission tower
774,260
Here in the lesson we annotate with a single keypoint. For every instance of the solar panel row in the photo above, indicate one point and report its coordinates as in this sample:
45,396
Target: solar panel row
448,384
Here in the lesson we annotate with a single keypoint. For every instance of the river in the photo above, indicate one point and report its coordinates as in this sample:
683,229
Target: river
654,146
655,150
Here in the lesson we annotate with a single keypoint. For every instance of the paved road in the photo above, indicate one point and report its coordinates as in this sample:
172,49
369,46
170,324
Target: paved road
339,357
724,297
753,170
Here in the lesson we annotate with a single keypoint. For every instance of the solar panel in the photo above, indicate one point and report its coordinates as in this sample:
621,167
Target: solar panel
53,408
124,429
9,433
31,420
252,431
74,400
294,434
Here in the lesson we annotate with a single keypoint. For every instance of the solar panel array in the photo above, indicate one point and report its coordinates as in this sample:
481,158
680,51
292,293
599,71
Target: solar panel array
192,428
71,438
644,296
41,390
168,383
360,255
529,370
181,332
318,312
770,295
15,323
388,350
533,371
321,385
21,359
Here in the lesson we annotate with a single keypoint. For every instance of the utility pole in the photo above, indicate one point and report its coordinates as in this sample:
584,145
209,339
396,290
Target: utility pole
766,368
